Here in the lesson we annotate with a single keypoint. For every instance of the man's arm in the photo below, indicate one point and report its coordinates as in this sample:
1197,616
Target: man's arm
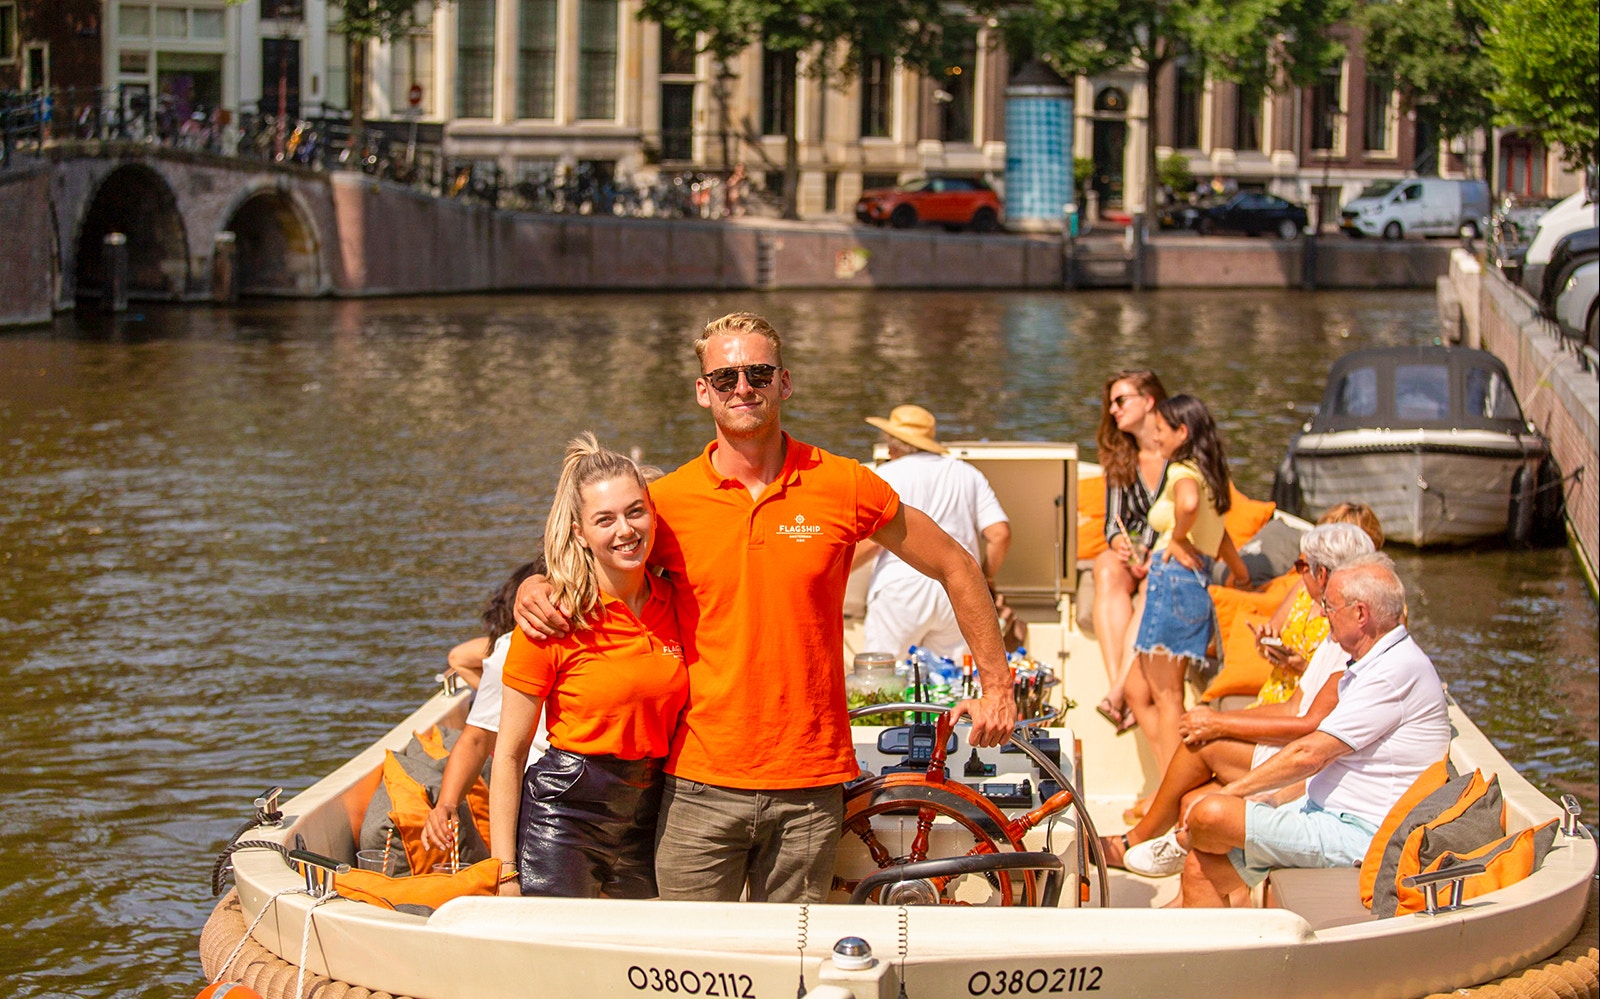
536,614
996,545
924,545
1298,760
866,551
1273,724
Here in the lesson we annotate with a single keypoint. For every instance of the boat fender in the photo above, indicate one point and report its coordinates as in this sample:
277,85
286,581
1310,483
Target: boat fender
227,990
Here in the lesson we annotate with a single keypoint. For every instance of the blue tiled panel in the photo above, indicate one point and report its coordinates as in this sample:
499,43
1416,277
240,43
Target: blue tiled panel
1038,157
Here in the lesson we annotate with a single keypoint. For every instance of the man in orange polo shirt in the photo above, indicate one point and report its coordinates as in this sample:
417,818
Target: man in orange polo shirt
757,533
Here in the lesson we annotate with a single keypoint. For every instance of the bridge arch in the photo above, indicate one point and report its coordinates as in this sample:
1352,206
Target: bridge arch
134,200
277,244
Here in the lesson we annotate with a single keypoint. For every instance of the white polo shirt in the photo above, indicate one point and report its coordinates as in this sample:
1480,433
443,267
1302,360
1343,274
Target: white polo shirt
1392,714
1326,660
950,491
485,713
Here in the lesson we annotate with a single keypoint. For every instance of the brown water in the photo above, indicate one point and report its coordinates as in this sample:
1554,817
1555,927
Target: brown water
235,545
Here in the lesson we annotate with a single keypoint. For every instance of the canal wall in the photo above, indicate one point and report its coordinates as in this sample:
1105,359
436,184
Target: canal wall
1558,393
27,251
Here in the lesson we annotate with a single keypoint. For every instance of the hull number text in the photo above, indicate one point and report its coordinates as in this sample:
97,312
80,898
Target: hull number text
719,984
1034,981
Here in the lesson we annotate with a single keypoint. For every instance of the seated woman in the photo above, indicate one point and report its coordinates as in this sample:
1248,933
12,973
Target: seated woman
1134,470
581,821
1179,619
1220,746
477,739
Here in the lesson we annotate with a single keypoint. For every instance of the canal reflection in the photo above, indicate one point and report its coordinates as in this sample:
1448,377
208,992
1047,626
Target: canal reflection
237,543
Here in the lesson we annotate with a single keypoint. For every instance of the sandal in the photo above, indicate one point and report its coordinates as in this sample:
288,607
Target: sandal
1120,718
1114,849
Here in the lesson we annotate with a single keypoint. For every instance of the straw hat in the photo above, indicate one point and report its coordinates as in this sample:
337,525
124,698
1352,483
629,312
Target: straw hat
912,424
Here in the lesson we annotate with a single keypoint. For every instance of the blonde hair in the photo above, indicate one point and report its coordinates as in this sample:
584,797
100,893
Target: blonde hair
1358,514
739,324
573,579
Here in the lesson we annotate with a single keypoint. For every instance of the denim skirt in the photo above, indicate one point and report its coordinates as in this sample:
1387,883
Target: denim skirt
1179,617
588,826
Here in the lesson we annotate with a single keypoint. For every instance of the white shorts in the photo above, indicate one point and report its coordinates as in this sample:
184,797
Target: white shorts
906,612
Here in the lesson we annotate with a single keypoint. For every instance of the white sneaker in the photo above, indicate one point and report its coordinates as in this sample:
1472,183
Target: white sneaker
1156,858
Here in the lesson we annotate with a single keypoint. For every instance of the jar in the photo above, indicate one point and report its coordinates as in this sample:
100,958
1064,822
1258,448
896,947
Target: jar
873,680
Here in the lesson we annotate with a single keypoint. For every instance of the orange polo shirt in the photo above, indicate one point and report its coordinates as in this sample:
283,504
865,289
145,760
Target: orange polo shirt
759,586
617,688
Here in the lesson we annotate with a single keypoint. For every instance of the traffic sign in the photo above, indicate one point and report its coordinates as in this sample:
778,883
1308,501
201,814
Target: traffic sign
415,95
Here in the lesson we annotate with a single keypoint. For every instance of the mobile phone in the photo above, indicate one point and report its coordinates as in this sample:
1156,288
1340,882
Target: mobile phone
1271,641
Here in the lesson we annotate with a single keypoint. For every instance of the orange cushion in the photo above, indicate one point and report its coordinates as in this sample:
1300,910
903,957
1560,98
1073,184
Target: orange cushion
1246,516
1384,841
1244,669
432,742
1473,821
430,890
1508,859
1091,517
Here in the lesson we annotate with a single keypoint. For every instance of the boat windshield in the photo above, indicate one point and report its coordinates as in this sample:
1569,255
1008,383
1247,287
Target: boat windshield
1357,394
1378,189
1490,396
1422,391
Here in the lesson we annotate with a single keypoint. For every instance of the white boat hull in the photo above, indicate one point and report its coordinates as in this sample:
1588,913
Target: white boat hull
1427,487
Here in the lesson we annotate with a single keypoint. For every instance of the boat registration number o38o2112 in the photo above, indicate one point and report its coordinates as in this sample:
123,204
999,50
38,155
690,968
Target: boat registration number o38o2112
1034,981
718,984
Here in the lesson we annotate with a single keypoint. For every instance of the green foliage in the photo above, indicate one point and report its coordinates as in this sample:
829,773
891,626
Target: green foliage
365,20
1548,58
1082,175
1432,52
1175,174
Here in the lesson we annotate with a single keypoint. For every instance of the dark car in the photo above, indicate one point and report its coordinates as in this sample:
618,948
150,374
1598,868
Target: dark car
953,202
1251,213
1572,252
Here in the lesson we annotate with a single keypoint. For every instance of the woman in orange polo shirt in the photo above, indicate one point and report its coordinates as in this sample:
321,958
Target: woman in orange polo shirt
581,821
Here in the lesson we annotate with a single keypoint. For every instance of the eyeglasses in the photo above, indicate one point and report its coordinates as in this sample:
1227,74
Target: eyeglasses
1329,612
1118,401
727,379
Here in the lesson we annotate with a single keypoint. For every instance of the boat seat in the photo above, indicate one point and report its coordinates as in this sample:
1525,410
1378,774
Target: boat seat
1325,897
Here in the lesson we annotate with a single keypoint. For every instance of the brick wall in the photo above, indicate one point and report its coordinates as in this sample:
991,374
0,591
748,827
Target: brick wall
28,277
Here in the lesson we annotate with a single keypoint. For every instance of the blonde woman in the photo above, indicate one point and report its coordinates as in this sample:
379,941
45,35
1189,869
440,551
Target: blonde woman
581,821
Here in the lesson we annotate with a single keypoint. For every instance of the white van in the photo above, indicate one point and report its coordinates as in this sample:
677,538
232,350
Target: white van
1422,206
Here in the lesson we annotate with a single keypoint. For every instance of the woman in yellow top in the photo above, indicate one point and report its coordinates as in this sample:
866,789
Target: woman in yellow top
1179,619
581,821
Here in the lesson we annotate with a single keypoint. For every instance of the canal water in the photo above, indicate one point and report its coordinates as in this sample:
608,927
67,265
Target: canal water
236,544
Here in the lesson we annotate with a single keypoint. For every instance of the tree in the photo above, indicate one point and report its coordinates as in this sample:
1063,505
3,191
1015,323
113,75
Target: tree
1276,42
1431,51
364,21
830,35
1548,58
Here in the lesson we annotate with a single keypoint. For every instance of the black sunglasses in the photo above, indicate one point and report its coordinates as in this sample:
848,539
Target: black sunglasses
727,379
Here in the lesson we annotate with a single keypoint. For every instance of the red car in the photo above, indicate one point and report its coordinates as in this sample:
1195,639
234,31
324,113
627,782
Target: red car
953,202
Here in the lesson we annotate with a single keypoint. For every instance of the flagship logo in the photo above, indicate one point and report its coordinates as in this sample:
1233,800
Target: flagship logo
672,649
799,530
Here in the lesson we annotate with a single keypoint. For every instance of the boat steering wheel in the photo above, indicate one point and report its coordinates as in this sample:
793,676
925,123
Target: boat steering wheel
914,878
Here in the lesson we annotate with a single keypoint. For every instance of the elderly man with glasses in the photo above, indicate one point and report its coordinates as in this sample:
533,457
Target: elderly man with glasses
1390,724
758,533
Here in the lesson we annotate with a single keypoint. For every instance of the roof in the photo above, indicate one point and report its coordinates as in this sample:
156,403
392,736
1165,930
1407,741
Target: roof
1425,388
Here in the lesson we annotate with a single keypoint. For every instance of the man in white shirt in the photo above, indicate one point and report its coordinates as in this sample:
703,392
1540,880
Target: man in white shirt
904,607
1391,723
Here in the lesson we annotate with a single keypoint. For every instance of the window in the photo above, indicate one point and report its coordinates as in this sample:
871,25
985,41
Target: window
1489,396
677,121
475,59
536,59
597,59
337,93
1377,131
677,57
1422,391
273,10
955,83
875,96
8,32
133,62
1248,98
172,22
1357,394
1186,114
410,62
1326,108
205,24
777,92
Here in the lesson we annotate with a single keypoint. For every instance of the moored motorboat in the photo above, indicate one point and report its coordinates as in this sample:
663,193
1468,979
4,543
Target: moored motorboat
1432,438
1107,935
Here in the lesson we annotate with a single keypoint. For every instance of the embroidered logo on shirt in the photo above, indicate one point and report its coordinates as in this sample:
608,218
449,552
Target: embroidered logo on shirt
799,530
673,649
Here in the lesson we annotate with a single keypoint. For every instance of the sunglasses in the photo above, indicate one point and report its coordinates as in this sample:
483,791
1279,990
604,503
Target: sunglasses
727,379
1117,402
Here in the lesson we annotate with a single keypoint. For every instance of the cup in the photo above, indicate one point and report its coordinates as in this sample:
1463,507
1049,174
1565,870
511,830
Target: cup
371,860
445,867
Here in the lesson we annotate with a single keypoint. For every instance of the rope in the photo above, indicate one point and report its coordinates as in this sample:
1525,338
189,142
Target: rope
305,943
252,928
222,867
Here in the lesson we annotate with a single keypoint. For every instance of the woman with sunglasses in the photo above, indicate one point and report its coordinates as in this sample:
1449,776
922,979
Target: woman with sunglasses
1179,619
581,821
1134,471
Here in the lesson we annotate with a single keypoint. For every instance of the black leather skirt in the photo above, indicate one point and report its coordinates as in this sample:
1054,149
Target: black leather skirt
588,826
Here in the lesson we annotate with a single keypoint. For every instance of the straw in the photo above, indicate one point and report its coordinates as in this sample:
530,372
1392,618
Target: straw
455,845
388,838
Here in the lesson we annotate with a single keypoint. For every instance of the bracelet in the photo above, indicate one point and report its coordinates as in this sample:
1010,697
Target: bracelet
506,875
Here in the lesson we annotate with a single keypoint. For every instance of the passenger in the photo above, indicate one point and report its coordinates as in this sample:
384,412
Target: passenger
612,691
904,607
1390,724
759,532
1220,746
476,743
1134,470
1297,623
1179,619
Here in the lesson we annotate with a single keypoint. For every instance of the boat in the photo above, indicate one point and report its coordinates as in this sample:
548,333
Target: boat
1433,439
1034,913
